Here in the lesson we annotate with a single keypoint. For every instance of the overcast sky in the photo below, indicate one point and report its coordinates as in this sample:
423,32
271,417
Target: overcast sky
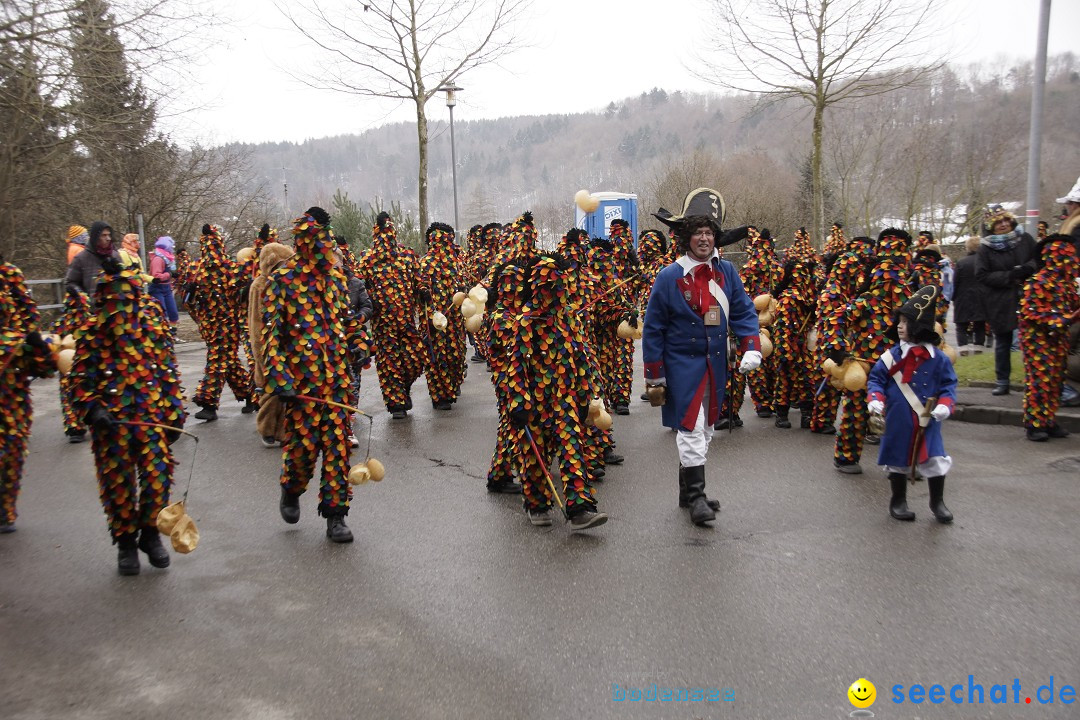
583,55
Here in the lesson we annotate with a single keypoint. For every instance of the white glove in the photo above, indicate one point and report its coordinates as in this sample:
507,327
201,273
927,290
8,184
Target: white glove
876,406
751,360
941,413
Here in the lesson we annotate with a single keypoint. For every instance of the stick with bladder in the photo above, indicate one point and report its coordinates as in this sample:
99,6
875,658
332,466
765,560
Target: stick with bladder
170,428
343,406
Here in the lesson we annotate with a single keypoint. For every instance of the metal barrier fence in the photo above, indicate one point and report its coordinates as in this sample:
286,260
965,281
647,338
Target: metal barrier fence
57,299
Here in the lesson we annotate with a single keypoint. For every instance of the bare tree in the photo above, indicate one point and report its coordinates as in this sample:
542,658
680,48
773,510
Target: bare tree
404,50
823,52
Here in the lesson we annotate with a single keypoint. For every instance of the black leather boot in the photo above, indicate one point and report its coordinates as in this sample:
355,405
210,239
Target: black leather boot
937,499
250,406
700,512
289,506
898,504
150,543
208,413
782,418
683,502
127,558
337,530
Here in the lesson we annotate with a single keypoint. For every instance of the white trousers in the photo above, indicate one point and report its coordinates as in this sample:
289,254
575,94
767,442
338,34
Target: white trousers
936,466
693,445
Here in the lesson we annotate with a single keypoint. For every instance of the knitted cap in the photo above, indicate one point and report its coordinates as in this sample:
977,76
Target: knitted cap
75,231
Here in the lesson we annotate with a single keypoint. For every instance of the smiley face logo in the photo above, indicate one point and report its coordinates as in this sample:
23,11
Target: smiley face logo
862,693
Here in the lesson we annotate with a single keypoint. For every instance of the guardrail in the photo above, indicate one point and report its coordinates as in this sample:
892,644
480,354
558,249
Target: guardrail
57,285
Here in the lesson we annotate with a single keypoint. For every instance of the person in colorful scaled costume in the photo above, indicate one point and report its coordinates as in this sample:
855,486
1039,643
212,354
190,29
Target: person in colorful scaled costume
215,288
846,275
309,336
1048,307
479,266
796,300
549,398
913,383
593,306
696,303
125,372
610,350
76,314
23,356
505,304
867,322
391,274
761,273
624,271
440,270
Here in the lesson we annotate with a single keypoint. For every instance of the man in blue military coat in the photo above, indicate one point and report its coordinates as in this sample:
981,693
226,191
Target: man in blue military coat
696,303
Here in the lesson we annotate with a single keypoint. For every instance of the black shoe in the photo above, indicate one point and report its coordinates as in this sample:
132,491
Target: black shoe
737,420
1037,435
610,458
597,473
1000,390
586,520
721,424
150,543
848,468
937,501
408,402
249,407
476,358
804,421
898,503
398,414
507,487
76,436
765,413
645,397
872,439
209,414
1056,431
269,441
337,530
622,409
289,506
127,557
1069,396
6,527
442,405
825,430
782,422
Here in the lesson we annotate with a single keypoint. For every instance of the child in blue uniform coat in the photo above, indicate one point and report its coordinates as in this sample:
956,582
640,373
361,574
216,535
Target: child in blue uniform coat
901,383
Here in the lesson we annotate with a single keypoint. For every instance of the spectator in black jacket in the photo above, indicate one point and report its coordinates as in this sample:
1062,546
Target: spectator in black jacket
1006,257
969,313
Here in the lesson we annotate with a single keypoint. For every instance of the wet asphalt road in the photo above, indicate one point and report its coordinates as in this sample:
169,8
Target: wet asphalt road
451,605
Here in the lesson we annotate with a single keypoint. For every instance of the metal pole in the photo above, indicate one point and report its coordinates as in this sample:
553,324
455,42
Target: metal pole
453,172
1035,140
142,243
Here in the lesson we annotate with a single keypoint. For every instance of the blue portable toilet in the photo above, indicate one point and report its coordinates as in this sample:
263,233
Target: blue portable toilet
613,205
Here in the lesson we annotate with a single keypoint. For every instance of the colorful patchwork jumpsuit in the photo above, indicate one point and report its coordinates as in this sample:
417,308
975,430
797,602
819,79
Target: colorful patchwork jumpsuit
844,279
795,301
391,274
1047,309
506,301
610,350
869,318
440,270
215,284
23,355
76,314
549,393
761,273
125,373
308,337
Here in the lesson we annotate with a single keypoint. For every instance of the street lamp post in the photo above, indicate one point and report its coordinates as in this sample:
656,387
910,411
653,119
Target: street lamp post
451,100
